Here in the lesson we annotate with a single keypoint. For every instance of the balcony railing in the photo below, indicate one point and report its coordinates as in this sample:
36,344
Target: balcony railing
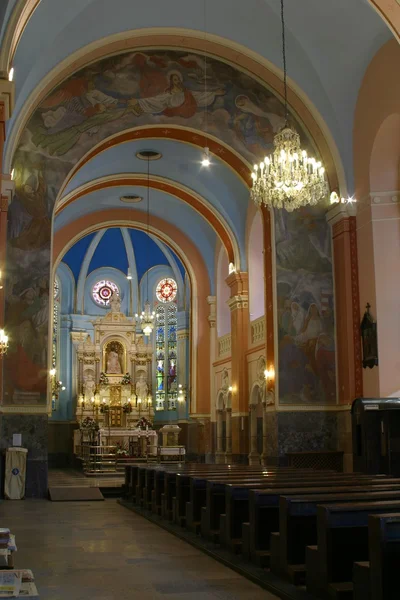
257,331
224,345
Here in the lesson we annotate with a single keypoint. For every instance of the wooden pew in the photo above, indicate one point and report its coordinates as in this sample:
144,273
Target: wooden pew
198,492
298,526
220,492
216,495
378,579
263,521
342,541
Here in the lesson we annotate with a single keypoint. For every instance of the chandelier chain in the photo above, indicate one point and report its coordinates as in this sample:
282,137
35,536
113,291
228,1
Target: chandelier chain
148,225
284,62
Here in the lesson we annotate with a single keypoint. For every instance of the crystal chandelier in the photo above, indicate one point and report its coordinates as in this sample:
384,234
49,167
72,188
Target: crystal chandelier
146,319
3,342
289,178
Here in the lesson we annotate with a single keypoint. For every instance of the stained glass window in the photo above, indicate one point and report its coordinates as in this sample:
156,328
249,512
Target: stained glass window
166,290
166,354
56,322
103,290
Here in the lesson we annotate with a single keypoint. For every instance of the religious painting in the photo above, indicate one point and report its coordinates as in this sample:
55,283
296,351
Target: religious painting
154,87
307,366
114,358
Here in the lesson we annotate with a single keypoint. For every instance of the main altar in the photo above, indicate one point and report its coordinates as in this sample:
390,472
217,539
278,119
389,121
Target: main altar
115,402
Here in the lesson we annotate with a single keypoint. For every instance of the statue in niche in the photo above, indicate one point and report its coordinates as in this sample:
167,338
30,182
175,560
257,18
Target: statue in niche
142,388
114,358
89,387
115,303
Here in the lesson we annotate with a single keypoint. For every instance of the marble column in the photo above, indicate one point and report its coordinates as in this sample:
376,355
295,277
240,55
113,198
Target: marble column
239,307
182,363
342,218
254,457
212,318
220,456
97,371
228,446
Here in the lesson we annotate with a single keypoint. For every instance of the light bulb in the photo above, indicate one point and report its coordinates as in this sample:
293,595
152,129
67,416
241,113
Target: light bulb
129,274
52,371
11,74
206,158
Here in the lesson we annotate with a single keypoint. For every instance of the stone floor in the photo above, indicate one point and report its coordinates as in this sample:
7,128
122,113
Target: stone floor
102,551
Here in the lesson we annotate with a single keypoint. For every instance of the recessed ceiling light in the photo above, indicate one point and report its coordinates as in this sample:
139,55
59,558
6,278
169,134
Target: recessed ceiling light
148,155
131,199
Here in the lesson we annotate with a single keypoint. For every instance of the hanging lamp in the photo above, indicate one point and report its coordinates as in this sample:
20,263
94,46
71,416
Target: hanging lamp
147,316
288,178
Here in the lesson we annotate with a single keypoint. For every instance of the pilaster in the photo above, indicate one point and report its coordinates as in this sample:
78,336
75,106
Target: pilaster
342,218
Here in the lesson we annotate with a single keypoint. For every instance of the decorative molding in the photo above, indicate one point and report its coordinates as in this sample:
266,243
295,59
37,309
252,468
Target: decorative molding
26,410
7,97
257,331
225,345
340,211
313,408
238,302
384,198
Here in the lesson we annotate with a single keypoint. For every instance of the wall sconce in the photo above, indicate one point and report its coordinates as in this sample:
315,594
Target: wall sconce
270,377
11,74
232,268
1,280
230,389
3,342
334,199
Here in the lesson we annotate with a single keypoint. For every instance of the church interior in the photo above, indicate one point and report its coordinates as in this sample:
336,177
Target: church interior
199,314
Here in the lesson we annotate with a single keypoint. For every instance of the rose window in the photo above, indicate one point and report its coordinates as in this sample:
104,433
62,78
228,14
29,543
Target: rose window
166,290
102,292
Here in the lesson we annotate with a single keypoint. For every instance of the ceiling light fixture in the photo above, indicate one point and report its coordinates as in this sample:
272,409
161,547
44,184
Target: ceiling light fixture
147,316
206,153
131,199
206,157
288,178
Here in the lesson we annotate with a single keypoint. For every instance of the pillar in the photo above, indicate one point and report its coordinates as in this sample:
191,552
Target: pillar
254,457
219,456
264,454
239,307
228,443
182,355
342,218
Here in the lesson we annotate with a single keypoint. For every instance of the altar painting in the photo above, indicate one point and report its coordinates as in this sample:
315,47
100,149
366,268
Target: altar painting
130,90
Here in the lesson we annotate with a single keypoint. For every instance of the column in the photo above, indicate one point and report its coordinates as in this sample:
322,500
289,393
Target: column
228,446
342,218
212,319
97,369
219,456
264,454
254,457
182,364
239,307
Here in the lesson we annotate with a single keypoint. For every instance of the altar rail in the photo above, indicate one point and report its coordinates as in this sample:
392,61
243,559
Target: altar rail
257,331
224,345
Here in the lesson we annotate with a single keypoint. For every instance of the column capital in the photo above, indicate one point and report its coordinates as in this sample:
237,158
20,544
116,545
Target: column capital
238,302
182,334
339,211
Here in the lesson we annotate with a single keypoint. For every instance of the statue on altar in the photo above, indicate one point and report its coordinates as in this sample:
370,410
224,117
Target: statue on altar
115,303
114,358
142,388
89,387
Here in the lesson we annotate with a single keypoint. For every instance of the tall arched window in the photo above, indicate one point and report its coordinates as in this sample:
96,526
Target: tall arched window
166,345
56,322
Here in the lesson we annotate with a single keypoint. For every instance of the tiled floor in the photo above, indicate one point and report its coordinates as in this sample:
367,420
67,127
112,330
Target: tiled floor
101,551
72,478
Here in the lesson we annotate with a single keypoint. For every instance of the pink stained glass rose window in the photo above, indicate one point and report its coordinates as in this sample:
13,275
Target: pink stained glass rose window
166,290
103,290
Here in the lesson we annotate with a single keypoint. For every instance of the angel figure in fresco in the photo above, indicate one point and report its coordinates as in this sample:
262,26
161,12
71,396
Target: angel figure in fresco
30,203
255,126
95,108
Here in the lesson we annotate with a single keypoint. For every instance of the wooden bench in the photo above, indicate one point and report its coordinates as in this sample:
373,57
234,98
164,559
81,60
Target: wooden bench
263,521
342,541
237,507
298,526
216,495
378,579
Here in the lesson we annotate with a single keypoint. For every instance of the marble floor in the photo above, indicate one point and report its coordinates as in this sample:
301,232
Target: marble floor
101,551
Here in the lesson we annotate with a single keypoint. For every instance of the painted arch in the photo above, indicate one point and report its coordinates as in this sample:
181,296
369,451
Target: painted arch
142,88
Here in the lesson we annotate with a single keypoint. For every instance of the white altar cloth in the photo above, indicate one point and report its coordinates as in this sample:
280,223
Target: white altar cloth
123,432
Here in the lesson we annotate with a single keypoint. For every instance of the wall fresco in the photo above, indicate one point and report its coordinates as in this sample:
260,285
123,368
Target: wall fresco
137,89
